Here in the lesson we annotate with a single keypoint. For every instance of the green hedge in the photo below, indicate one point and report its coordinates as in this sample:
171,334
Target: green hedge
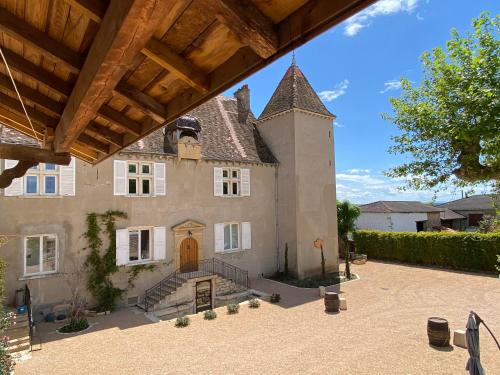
461,251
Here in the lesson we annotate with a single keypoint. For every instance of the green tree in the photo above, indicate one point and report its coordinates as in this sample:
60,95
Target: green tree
347,213
450,124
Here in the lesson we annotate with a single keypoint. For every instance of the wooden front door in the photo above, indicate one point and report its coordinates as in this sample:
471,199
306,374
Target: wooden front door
189,255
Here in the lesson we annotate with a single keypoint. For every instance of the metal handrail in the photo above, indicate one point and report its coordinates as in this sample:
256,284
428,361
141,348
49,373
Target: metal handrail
213,265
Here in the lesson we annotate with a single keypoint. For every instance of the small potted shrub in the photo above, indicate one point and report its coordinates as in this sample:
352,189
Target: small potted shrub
233,308
275,298
210,315
254,303
183,321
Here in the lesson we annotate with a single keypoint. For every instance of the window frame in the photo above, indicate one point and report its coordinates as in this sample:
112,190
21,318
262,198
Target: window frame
238,248
40,250
230,180
139,177
150,245
40,172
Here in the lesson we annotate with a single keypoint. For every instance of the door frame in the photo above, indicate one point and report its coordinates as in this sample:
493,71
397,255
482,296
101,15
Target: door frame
196,295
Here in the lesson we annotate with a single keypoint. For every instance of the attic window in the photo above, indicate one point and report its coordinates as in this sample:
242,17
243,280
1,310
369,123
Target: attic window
188,133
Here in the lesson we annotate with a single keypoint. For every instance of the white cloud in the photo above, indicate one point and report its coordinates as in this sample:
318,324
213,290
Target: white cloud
391,85
339,89
363,19
357,171
338,125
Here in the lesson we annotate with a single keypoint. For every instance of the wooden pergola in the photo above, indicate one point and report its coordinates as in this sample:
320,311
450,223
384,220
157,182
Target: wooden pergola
97,75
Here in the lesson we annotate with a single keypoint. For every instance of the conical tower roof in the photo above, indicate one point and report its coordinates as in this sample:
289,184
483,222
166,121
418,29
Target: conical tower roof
294,91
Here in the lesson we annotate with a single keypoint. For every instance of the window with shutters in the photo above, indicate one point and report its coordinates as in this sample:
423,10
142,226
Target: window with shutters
138,245
231,182
232,236
40,254
140,178
43,180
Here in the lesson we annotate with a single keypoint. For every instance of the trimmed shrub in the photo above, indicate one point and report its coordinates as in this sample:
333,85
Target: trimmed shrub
210,315
75,325
461,251
275,298
183,321
233,308
254,303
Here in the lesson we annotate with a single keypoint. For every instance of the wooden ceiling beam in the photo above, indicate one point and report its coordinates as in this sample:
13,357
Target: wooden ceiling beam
32,153
248,23
119,119
93,9
123,33
104,134
35,116
144,102
93,143
177,65
46,78
37,39
33,95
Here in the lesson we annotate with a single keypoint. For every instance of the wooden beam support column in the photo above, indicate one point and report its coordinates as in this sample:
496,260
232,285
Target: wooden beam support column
33,154
124,31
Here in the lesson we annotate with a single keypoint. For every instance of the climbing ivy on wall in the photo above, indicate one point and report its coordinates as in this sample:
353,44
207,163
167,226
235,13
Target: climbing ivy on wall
101,263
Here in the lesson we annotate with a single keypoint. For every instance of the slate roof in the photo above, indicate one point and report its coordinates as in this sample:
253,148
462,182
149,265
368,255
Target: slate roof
294,91
8,135
397,206
222,137
472,203
448,214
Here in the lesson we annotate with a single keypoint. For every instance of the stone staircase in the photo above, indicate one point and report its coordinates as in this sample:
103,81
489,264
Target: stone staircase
18,343
159,293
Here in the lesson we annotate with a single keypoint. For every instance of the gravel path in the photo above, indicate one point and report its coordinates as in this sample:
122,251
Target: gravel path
382,332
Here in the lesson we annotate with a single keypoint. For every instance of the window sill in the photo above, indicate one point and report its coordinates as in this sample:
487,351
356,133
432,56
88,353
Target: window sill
40,276
142,262
38,196
231,251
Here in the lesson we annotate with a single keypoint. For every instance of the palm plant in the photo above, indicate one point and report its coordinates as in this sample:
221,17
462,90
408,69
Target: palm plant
347,213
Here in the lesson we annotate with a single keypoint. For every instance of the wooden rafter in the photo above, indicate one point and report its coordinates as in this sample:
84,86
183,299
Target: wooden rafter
36,116
37,39
175,64
93,143
93,9
248,23
104,134
36,72
124,31
142,101
119,119
33,95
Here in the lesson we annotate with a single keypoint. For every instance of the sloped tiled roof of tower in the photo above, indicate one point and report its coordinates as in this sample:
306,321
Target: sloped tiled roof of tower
294,91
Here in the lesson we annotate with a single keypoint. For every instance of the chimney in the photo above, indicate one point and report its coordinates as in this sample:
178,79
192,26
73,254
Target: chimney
242,96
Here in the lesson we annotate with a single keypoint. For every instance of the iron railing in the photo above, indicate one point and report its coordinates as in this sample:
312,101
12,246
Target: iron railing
205,267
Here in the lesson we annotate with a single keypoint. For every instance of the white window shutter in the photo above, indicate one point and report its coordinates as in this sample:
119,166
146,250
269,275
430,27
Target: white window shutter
122,247
160,245
246,236
16,187
67,178
120,177
218,182
160,178
245,182
219,237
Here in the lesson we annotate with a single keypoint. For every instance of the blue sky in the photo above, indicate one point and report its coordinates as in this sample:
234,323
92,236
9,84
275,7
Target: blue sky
355,67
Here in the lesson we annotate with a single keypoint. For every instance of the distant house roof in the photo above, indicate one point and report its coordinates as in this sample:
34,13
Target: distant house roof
294,91
472,203
222,136
448,214
397,206
11,136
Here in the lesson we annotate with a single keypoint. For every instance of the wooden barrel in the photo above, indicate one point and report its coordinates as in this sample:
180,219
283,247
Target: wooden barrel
332,302
438,332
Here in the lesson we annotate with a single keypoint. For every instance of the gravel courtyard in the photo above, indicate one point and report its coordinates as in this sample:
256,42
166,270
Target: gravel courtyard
382,332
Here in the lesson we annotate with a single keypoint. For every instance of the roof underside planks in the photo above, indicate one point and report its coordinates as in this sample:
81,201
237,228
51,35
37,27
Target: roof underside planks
98,75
